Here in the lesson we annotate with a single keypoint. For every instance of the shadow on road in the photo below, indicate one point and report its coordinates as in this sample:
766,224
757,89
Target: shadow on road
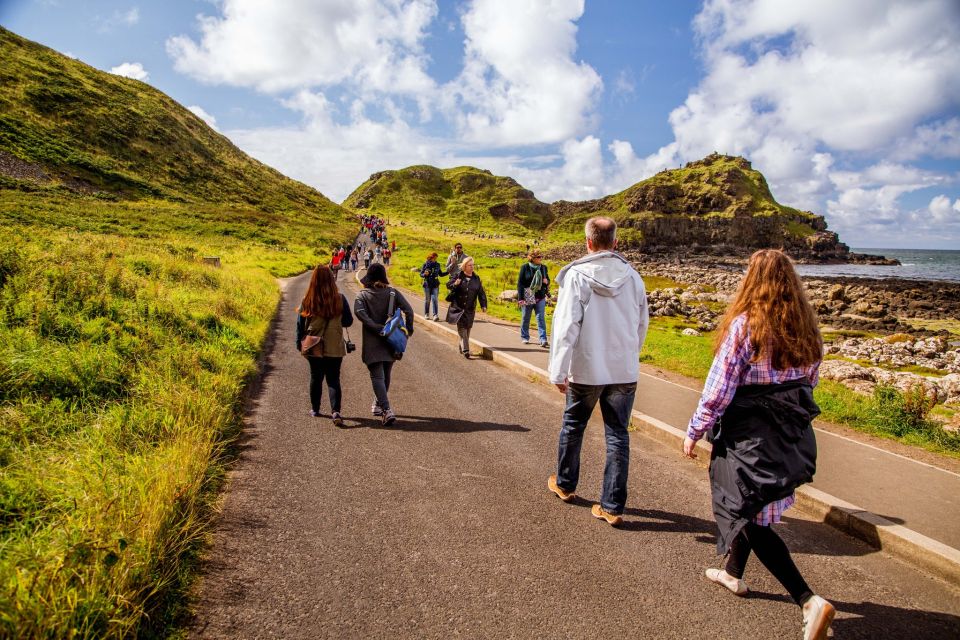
872,620
434,425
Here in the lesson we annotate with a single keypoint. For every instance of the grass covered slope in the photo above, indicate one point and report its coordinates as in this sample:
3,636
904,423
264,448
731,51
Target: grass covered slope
464,199
716,205
96,132
123,357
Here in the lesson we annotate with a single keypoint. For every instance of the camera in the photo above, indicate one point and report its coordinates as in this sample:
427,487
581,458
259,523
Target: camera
349,346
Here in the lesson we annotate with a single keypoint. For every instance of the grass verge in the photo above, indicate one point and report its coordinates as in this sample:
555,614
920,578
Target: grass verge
123,364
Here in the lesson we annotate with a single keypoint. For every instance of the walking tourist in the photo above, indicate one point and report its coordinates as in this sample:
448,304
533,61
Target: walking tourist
372,307
599,325
431,272
354,257
367,257
321,319
466,290
533,287
761,382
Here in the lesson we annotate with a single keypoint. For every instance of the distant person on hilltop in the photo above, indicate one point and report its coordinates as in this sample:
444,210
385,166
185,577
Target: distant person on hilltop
761,382
454,260
321,319
533,287
599,325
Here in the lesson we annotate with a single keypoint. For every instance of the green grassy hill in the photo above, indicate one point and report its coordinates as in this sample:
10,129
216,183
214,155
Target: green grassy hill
94,132
462,198
719,204
124,356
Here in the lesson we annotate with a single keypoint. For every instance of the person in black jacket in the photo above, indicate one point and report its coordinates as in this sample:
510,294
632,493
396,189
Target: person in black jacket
431,273
321,319
465,291
372,307
533,287
758,406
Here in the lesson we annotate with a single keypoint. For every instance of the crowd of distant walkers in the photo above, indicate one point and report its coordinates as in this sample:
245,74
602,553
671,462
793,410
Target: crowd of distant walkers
756,408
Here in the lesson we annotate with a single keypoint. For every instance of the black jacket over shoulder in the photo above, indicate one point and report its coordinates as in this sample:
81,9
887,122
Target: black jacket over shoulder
763,449
465,295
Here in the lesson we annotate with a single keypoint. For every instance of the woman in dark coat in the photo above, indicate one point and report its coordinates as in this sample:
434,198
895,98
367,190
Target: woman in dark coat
465,290
758,406
372,308
324,313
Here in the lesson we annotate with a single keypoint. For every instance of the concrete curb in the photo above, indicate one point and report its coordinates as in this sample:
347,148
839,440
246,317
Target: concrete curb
926,553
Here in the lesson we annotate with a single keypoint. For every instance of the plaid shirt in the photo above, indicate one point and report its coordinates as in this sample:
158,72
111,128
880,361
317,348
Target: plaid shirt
732,368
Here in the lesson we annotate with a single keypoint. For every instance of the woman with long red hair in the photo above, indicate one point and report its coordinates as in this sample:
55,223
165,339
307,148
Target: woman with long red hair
757,406
321,319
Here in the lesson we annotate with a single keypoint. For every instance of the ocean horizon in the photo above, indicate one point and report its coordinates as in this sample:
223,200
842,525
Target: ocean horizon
915,264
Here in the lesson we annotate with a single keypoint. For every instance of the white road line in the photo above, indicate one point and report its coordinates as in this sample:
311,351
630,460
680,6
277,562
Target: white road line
864,444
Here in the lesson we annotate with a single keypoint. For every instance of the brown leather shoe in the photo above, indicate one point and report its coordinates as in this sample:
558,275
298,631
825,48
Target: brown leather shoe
598,512
566,496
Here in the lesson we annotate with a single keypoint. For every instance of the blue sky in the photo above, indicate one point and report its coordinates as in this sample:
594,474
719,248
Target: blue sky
851,109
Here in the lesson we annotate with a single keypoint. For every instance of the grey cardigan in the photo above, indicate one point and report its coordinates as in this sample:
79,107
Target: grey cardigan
371,307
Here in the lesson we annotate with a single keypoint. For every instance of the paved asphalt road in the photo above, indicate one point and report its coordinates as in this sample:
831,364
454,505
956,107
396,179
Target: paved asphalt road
442,526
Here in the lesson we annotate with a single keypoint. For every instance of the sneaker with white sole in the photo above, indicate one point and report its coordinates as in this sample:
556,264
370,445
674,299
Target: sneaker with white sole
314,414
524,340
377,411
337,419
817,616
724,579
389,417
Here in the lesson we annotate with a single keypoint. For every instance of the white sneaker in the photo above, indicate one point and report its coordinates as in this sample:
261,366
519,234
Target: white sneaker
724,579
436,318
525,340
817,617
377,411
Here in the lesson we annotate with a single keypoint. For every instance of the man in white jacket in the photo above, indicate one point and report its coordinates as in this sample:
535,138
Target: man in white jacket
599,326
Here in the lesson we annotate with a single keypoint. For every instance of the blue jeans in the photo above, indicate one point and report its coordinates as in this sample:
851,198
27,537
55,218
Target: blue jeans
616,402
541,320
431,295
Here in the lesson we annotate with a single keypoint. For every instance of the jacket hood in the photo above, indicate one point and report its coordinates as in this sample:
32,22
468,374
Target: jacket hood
605,271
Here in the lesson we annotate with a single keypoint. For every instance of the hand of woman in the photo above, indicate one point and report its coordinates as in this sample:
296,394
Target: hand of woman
689,447
456,282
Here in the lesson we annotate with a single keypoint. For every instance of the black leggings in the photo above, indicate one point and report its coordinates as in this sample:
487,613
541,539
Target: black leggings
328,368
774,555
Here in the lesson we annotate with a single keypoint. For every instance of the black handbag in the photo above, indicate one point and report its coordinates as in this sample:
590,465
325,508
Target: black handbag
454,313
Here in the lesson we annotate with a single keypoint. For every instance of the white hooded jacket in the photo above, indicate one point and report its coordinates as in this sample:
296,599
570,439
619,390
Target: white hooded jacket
600,321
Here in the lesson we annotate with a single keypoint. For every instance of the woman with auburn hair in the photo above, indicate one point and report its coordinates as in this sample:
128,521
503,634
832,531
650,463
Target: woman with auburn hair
321,319
758,408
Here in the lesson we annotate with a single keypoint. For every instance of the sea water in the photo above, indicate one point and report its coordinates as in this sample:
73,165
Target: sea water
915,264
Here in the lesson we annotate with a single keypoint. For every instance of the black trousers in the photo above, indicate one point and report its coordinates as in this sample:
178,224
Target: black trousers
774,555
329,369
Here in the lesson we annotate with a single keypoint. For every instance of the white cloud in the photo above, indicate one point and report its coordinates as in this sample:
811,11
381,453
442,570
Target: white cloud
808,97
119,18
201,113
133,70
287,45
942,211
520,84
